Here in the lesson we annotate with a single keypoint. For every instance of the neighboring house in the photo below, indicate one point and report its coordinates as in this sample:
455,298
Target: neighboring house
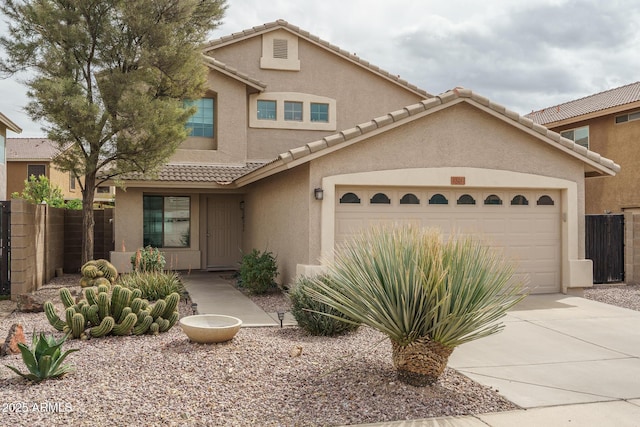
607,123
301,144
34,156
5,124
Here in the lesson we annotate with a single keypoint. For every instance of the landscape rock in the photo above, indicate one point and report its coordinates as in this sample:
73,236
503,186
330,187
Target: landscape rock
31,303
15,336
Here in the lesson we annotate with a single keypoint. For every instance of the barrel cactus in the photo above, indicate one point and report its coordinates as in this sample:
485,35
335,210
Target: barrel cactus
98,272
119,312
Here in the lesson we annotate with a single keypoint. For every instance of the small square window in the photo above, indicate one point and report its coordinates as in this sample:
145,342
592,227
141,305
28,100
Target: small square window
266,110
319,112
293,111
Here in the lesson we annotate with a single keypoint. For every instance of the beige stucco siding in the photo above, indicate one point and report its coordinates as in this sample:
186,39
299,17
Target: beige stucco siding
620,142
230,124
360,94
459,136
129,231
277,219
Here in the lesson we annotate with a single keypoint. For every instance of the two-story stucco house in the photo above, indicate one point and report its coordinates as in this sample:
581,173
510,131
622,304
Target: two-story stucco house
299,144
34,156
608,123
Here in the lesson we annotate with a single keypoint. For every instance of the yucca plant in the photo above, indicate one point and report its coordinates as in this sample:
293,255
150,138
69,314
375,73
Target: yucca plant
426,294
44,358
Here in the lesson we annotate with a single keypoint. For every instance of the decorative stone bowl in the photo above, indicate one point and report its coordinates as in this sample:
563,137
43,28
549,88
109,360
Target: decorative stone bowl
210,328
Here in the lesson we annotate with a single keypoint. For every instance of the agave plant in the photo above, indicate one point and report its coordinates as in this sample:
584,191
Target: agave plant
44,358
428,295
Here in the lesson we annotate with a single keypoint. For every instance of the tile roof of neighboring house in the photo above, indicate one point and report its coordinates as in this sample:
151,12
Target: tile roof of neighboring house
232,72
280,23
204,173
20,149
336,141
589,104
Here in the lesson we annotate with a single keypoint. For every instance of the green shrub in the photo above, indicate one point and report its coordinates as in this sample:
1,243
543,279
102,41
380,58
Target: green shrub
148,259
154,285
44,358
315,317
258,271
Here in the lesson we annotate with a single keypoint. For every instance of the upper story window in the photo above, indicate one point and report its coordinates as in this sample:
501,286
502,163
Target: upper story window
266,110
628,117
293,111
2,149
36,170
319,112
578,135
201,123
103,190
72,181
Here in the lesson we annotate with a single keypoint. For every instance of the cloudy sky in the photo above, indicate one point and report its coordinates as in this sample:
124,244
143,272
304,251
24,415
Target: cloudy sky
526,55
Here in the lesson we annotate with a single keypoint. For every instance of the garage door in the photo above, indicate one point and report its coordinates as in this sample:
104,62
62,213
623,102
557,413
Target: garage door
526,224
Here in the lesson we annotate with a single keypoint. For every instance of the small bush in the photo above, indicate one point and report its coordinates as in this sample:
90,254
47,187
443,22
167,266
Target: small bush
44,358
154,285
148,259
313,321
258,271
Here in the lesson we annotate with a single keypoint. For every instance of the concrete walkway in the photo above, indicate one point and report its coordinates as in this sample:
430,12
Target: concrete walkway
216,295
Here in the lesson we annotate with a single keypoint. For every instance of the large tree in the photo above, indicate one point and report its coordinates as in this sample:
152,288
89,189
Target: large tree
109,77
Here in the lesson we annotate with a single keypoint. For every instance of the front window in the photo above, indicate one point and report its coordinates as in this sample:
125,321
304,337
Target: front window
201,123
36,170
578,135
2,149
266,110
293,111
72,181
166,221
319,112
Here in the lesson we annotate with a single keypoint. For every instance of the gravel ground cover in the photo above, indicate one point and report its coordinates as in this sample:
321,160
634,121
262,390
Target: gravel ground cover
627,296
253,380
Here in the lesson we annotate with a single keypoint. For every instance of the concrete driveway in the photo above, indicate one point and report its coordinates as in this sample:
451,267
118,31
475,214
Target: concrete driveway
558,350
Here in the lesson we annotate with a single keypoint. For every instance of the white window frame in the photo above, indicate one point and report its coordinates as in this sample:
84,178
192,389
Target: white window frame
280,123
573,137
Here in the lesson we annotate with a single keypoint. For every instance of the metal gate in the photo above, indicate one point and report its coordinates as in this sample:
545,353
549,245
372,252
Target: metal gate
604,239
5,248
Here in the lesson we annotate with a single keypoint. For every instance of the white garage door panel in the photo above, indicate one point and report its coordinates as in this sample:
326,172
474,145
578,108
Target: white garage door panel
529,234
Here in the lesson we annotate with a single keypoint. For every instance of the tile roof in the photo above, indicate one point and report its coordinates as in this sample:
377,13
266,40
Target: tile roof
280,23
204,173
224,68
31,149
315,148
590,104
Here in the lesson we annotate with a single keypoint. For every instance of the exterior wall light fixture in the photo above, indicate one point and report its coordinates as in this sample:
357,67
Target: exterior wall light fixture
318,193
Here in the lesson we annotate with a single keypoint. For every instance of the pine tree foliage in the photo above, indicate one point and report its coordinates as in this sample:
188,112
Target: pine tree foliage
110,77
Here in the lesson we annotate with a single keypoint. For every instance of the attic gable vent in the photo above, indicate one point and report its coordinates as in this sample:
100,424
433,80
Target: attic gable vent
280,49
